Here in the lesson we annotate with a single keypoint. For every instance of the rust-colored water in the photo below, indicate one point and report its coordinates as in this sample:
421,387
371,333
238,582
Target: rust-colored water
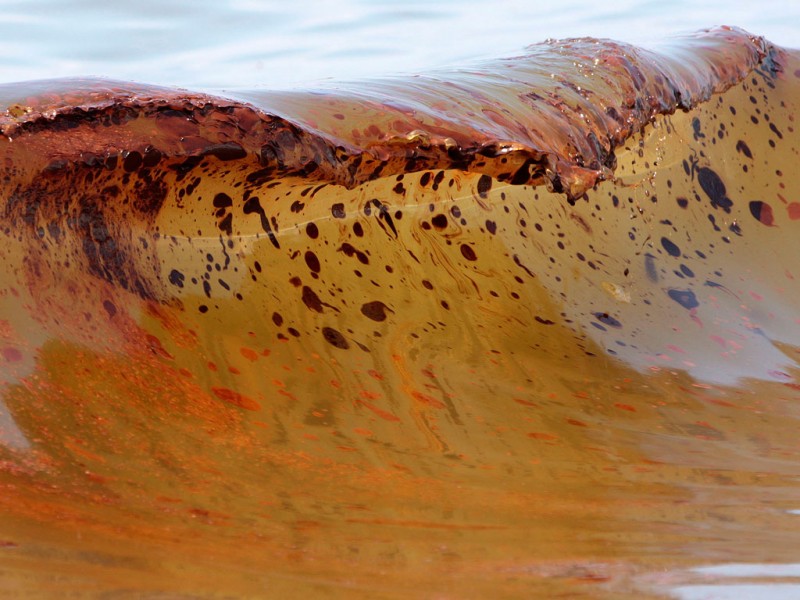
527,339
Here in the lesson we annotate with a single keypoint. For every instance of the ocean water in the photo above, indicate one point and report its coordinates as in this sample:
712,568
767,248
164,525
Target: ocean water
210,44
521,328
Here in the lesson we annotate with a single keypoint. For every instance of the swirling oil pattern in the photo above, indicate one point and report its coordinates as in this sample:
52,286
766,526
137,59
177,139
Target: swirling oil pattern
529,329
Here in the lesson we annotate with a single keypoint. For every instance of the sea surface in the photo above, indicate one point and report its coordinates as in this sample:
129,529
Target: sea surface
525,326
211,44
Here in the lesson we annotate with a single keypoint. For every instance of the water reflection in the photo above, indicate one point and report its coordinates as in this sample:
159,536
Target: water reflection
776,591
743,582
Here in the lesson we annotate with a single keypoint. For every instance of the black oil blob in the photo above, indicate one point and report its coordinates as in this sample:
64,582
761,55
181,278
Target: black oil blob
334,338
650,268
312,231
222,200
714,188
311,300
670,247
350,250
375,310
685,298
468,253
176,278
696,127
383,214
775,130
762,212
742,147
523,174
226,225
110,308
132,161
484,185
607,319
337,210
253,205
439,221
312,261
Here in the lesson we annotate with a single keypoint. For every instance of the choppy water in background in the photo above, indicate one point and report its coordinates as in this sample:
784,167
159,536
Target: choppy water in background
121,474
216,44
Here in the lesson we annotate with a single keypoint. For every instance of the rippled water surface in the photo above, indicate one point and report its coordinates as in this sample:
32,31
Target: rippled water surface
524,327
246,43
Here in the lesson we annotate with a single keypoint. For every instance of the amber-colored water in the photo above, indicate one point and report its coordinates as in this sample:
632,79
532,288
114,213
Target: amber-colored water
430,380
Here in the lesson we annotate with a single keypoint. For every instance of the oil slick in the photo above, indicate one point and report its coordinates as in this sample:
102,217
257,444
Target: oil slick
529,328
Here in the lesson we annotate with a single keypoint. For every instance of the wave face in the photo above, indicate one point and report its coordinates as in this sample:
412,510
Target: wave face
529,327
